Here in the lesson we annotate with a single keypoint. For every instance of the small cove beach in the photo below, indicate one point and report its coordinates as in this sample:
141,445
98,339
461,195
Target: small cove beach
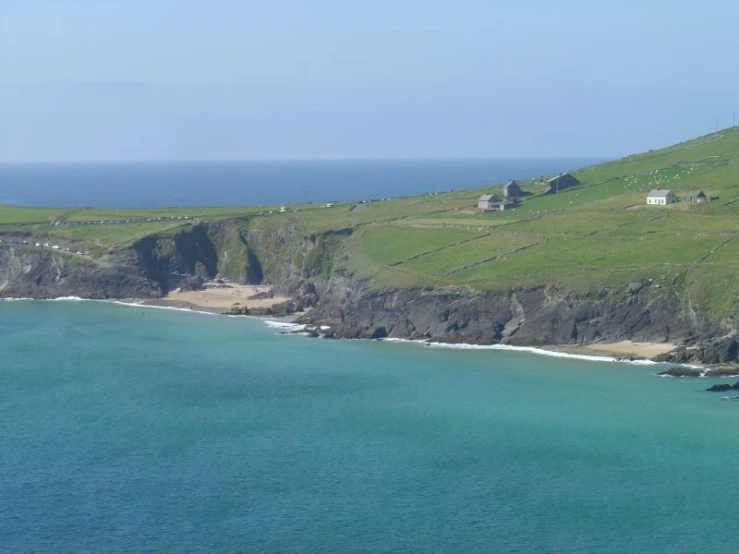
219,297
626,348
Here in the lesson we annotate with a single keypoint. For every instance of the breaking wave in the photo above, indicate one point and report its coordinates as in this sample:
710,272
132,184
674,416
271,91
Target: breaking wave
528,349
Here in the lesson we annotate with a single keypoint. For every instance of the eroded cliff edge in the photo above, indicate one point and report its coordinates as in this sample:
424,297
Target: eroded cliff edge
308,268
542,316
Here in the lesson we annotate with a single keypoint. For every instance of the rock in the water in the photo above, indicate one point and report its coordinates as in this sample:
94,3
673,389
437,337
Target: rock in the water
722,372
721,387
681,372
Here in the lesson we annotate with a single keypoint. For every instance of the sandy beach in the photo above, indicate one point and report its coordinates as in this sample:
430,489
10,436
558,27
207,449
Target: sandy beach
623,348
220,298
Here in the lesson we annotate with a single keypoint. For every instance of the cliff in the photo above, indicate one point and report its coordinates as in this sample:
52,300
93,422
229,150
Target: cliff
542,316
34,273
152,266
307,267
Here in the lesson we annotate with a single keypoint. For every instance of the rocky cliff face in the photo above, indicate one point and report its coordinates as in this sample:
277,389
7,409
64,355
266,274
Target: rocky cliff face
156,264
540,316
36,273
284,257
303,266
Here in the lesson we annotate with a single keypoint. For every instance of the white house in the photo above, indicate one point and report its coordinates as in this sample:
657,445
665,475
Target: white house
492,203
661,197
483,203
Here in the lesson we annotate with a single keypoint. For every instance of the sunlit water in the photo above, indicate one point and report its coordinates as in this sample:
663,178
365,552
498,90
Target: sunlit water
134,430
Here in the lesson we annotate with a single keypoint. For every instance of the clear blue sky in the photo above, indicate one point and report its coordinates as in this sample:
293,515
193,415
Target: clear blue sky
268,79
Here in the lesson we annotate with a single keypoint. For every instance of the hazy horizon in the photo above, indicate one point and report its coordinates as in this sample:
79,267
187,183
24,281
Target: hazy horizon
440,159
340,80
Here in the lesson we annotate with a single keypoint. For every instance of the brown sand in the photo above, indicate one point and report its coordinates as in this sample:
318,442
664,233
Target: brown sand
219,299
624,348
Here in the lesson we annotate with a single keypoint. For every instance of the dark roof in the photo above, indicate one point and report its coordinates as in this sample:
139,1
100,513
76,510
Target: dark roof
558,177
694,194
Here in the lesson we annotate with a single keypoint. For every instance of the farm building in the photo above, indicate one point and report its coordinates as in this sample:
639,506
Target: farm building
661,197
484,202
696,196
492,203
560,182
512,190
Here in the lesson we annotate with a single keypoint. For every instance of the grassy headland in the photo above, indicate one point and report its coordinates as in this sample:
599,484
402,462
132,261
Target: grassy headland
600,234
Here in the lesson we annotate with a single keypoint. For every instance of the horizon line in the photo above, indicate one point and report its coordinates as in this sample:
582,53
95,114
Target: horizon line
304,160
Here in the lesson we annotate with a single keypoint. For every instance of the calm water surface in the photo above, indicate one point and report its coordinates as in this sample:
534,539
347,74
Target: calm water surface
139,430
236,183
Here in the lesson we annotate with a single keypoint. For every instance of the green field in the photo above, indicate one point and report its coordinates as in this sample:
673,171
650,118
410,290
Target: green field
600,234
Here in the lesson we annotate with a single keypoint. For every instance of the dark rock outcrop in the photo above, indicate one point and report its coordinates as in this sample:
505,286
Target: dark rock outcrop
721,387
719,351
722,371
708,350
307,269
681,372
37,273
530,317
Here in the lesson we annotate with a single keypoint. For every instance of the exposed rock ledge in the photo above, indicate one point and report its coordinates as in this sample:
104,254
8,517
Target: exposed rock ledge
540,316
35,273
535,317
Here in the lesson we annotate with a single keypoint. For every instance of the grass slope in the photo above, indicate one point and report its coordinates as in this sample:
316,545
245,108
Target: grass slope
599,234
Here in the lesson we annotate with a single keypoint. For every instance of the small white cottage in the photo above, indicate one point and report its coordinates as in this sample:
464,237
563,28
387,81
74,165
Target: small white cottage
661,197
483,203
492,203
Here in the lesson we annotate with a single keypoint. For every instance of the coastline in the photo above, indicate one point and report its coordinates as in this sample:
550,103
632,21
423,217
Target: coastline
553,351
221,298
638,353
621,349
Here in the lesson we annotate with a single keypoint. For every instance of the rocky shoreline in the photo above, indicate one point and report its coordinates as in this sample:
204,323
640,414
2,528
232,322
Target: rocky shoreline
326,297
708,372
541,317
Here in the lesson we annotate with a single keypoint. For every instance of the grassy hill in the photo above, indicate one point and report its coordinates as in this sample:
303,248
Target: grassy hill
601,234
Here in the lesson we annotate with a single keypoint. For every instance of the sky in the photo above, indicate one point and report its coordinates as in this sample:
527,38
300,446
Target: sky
140,80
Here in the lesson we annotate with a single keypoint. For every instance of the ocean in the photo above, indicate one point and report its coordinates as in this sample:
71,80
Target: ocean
130,429
190,184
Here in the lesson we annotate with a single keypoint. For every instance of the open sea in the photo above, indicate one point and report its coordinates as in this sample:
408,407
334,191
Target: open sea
189,184
140,430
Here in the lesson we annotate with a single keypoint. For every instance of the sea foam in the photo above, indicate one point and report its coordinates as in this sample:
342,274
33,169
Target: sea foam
528,349
288,327
156,307
285,325
130,304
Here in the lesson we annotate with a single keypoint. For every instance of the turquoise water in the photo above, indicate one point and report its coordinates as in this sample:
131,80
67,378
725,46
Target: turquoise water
151,431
